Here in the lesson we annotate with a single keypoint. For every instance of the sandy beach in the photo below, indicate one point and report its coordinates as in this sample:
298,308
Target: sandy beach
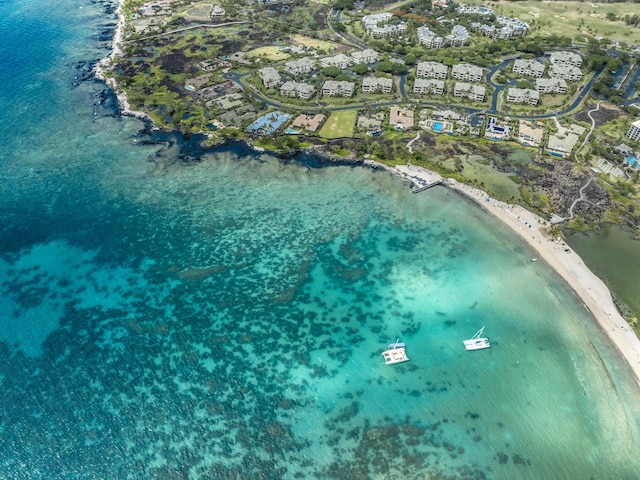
559,256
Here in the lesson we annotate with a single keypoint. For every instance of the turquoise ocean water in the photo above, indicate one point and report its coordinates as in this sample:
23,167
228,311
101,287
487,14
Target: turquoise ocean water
225,319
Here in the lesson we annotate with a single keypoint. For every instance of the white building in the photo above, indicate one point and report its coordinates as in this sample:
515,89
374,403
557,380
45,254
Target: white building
300,66
377,25
551,85
566,72
341,61
432,70
458,36
523,95
367,56
467,90
375,85
467,72
566,58
531,68
530,135
270,77
562,145
333,88
297,89
634,131
428,38
424,86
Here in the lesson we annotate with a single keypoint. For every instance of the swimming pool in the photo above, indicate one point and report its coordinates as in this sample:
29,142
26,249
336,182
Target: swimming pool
438,126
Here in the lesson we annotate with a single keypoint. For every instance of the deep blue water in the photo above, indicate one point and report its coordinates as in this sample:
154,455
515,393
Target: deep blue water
224,319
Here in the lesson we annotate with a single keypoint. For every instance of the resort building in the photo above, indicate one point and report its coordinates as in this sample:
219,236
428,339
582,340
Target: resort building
551,85
467,90
509,28
150,9
372,125
401,118
566,58
432,70
531,68
512,27
458,37
467,72
496,131
196,83
428,38
566,72
634,131
375,85
523,95
561,145
270,77
300,66
530,135
447,115
311,123
424,86
475,10
377,25
297,89
624,149
367,56
341,61
333,88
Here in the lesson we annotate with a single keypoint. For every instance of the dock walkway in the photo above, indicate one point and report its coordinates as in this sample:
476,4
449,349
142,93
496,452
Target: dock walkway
420,178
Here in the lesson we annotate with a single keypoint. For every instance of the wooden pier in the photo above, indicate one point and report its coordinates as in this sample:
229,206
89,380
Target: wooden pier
425,186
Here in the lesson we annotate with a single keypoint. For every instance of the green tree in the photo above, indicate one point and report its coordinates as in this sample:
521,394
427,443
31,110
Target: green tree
343,4
360,68
386,66
331,72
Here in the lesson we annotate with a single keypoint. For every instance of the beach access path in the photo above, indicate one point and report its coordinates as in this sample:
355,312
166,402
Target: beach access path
530,227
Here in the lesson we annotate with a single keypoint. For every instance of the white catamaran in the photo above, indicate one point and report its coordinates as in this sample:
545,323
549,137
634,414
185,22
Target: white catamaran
477,342
395,354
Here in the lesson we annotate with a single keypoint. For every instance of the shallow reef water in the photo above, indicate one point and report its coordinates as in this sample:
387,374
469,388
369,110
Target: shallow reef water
223,317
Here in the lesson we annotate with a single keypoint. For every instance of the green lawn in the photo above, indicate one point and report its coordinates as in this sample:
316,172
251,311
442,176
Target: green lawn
339,124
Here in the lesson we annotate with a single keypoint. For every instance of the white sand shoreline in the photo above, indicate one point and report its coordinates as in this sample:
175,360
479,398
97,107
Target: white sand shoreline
592,291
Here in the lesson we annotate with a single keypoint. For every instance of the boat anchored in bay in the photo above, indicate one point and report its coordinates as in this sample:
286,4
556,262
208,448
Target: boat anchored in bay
477,342
396,353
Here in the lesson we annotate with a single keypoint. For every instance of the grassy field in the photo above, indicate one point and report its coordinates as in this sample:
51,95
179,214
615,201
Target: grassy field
270,53
314,43
339,124
571,18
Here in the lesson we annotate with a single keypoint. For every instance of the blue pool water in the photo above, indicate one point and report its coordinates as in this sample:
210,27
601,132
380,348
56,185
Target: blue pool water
269,123
437,126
